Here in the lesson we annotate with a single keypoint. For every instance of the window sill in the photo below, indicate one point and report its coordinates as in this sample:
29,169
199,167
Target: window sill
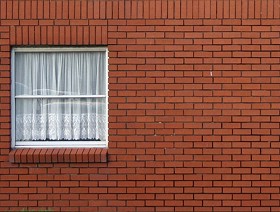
59,155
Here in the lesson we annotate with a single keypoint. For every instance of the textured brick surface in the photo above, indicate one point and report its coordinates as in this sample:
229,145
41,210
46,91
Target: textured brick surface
58,155
193,107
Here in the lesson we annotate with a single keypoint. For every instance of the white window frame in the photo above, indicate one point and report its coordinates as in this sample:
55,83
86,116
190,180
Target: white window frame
56,144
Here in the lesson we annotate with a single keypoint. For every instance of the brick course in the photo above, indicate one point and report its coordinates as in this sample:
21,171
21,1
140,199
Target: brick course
193,106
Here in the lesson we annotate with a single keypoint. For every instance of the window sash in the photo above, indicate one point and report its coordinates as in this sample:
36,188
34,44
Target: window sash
63,127
55,144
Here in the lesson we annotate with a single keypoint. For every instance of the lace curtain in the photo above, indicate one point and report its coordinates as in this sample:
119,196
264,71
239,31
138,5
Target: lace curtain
47,76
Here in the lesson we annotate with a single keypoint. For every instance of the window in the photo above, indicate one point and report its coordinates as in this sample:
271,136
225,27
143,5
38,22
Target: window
59,97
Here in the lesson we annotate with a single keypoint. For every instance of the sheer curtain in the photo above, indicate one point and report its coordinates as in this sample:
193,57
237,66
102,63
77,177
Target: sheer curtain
53,75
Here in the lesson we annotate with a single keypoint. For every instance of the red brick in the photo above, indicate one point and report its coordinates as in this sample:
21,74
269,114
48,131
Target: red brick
73,155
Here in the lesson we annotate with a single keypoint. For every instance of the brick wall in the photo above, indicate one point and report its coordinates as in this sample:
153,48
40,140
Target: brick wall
194,105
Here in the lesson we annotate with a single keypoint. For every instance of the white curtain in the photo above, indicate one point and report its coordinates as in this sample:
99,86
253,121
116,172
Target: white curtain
58,74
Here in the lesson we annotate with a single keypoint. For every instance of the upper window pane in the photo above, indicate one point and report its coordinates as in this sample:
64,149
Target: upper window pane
60,73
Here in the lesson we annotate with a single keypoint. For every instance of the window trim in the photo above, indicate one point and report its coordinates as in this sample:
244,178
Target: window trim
57,144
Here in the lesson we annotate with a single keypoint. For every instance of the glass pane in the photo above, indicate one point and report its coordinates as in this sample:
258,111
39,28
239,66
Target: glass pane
61,119
60,73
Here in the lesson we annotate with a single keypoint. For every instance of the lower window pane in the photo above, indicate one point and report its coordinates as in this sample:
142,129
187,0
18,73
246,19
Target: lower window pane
61,119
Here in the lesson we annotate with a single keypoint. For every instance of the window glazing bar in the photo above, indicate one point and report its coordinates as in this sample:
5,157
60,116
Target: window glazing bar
57,96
